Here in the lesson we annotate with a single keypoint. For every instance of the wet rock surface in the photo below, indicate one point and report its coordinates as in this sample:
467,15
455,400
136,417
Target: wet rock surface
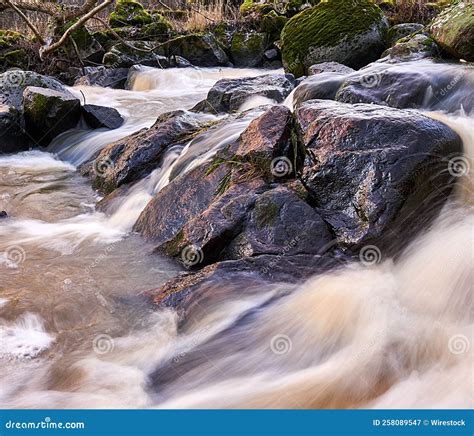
49,113
372,171
135,156
101,116
227,95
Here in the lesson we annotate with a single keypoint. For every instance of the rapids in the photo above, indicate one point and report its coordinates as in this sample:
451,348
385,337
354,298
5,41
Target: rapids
74,334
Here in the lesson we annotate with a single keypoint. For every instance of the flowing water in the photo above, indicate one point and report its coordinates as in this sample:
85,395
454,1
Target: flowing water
74,331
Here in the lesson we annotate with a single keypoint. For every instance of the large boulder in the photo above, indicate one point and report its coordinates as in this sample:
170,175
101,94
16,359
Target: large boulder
12,84
453,30
228,95
248,49
376,174
49,113
435,86
135,156
240,205
350,32
129,13
82,43
322,86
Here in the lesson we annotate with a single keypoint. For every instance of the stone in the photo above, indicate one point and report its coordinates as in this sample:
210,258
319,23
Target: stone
49,113
101,116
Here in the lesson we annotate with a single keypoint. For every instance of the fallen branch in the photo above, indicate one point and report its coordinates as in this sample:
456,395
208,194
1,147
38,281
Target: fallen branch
49,48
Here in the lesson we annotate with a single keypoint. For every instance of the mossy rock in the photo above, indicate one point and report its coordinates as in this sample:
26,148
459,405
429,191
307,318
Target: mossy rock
400,31
256,7
453,30
160,27
9,38
11,54
273,24
13,59
350,32
413,47
248,49
129,13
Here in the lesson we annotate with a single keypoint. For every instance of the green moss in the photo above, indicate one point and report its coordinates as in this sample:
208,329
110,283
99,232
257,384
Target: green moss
14,58
39,107
249,7
247,48
266,213
325,25
273,24
159,27
129,13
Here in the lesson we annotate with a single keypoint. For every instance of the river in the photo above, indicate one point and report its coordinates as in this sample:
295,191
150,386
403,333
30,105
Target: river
75,332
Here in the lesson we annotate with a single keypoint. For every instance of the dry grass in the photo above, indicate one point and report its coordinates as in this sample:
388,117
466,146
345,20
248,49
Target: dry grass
413,11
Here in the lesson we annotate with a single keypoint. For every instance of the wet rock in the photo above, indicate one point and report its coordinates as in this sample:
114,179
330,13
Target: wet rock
101,116
350,32
322,86
103,77
49,113
453,30
135,156
192,293
329,67
432,85
268,138
230,208
412,48
228,95
3,214
272,54
12,135
400,31
376,174
248,49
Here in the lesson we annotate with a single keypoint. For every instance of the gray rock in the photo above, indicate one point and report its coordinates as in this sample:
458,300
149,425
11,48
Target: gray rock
49,113
376,174
101,116
12,135
135,156
412,48
227,95
248,49
401,31
103,77
329,67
